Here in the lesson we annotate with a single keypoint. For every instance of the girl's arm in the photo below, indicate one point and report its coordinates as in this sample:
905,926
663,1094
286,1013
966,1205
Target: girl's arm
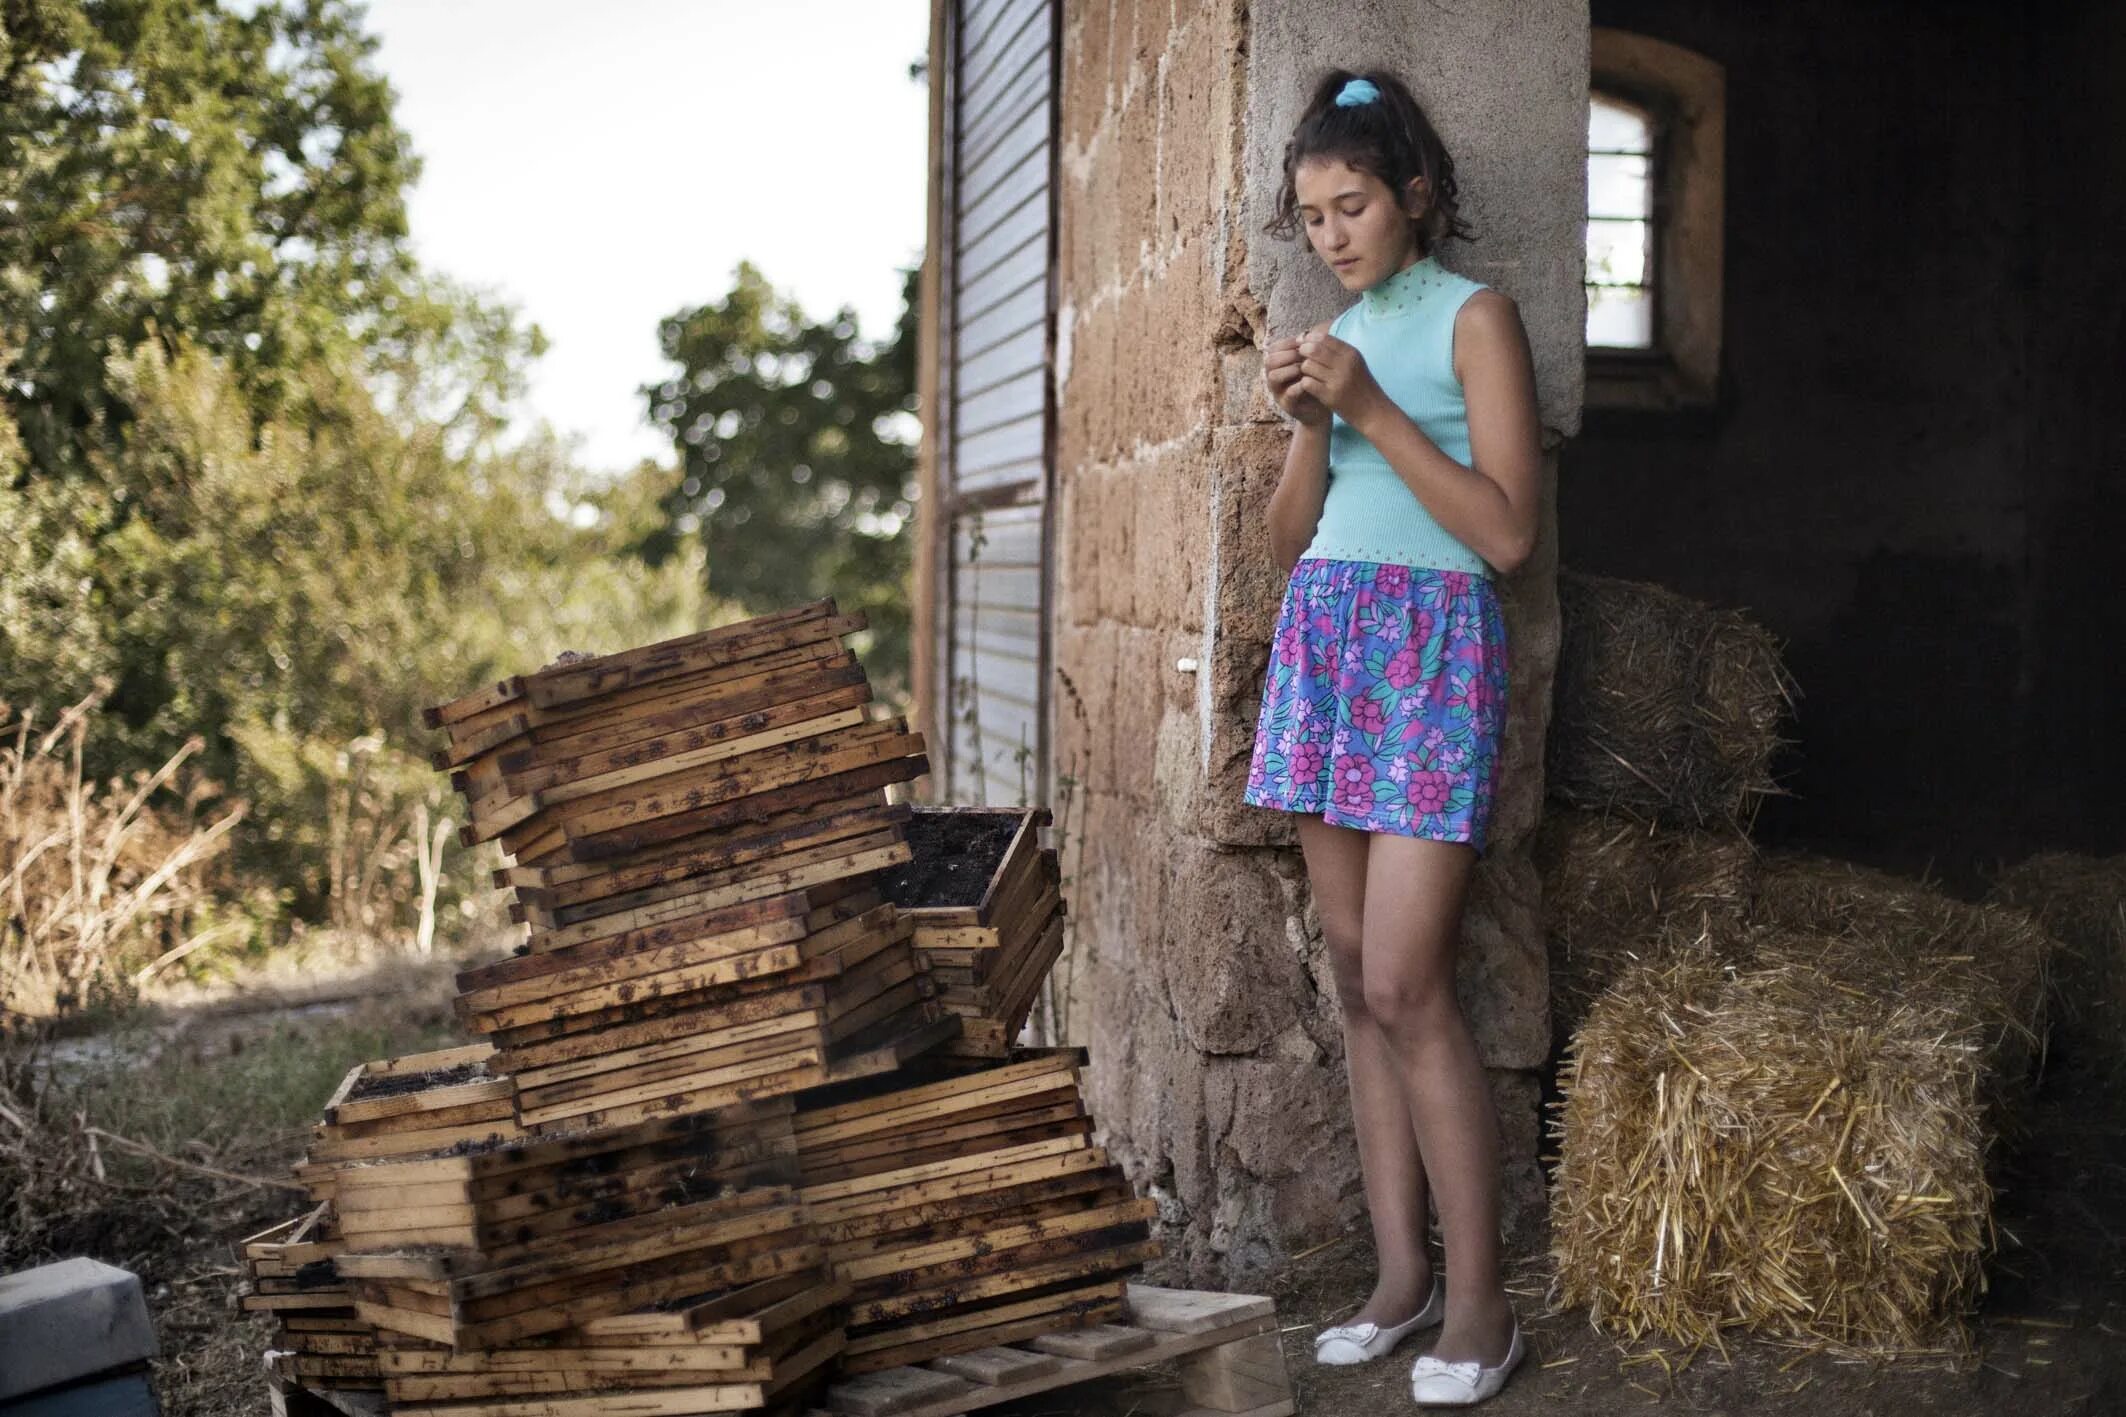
1491,507
1295,507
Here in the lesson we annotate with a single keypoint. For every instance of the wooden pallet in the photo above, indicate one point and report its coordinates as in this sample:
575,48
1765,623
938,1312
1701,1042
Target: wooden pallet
1226,1346
291,1399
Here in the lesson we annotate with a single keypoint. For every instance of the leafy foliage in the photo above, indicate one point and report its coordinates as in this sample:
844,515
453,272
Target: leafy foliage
797,459
252,471
176,169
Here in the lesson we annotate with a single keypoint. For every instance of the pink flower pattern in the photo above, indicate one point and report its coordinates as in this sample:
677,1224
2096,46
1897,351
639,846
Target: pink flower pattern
1385,700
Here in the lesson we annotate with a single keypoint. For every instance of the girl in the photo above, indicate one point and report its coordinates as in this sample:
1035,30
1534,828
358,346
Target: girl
1411,480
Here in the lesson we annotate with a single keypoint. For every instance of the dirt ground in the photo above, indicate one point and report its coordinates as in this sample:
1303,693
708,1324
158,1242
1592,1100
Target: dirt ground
2046,1339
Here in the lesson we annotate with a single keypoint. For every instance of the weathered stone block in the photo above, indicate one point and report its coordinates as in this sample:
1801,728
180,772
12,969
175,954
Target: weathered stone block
73,1319
1233,979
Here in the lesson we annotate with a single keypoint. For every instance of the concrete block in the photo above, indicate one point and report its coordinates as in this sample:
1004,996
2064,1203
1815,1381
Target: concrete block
125,1395
69,1320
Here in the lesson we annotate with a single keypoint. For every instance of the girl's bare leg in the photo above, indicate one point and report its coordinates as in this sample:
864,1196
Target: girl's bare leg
1412,922
1388,1155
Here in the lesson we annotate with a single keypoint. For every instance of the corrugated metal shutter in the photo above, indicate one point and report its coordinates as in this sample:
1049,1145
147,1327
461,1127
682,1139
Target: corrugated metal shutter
994,468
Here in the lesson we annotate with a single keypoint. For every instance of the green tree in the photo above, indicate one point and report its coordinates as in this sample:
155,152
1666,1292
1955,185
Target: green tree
796,447
174,169
250,471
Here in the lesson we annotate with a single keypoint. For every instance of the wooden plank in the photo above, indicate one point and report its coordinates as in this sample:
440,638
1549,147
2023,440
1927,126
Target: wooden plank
1243,1375
993,1366
686,704
612,784
1167,1310
1007,1276
1094,1344
435,1099
730,920
698,686
863,1058
556,1104
755,774
770,1210
928,1350
783,861
413,1143
565,779
665,831
764,1085
747,1315
1168,1347
887,1190
752,834
759,1038
771,884
865,1234
688,979
830,1117
711,649
989,1242
493,1111
677,1025
699,858
715,685
466,746
639,1285
673,1402
480,701
895,1391
606,970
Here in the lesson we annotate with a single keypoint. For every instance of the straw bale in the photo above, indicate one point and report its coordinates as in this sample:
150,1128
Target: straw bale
2081,900
1991,962
1614,888
1784,1148
1665,708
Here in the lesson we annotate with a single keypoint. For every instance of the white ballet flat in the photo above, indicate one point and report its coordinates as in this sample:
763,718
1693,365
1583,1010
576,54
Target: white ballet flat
1345,1344
1437,1384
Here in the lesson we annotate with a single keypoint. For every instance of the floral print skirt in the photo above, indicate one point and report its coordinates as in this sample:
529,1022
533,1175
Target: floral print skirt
1385,702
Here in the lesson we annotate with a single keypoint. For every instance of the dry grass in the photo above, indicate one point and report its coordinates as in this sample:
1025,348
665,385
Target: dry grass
157,1146
2082,901
1615,888
1666,709
1772,1149
101,882
1784,1124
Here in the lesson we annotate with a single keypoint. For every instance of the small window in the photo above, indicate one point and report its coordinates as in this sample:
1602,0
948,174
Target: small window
1620,224
1656,207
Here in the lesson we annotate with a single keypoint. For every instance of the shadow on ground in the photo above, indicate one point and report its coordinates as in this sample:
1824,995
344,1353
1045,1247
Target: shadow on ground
2046,1339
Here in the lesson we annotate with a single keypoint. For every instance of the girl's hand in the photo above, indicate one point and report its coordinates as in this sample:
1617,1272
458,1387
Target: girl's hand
1335,375
1281,372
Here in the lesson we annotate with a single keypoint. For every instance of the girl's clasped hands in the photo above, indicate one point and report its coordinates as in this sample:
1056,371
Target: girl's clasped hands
1316,374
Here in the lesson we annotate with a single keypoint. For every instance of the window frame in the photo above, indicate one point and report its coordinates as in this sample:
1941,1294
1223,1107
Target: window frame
1656,129
1685,96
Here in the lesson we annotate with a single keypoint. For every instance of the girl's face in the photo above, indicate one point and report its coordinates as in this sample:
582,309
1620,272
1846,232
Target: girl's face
1354,222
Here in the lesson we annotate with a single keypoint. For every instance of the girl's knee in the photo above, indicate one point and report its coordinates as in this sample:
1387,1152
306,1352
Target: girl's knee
1346,965
1409,1004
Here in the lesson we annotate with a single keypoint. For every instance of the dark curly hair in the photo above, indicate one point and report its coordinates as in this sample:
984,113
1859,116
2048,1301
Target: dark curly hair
1389,137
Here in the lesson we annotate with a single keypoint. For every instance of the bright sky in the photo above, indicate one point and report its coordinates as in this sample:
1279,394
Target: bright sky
603,166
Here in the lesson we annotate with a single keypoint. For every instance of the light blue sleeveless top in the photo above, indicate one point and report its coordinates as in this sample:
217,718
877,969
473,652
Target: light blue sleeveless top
1404,326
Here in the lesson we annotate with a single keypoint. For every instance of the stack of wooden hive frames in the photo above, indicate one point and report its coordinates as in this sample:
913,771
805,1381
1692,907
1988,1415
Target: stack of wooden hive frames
698,828
319,1341
690,1148
990,954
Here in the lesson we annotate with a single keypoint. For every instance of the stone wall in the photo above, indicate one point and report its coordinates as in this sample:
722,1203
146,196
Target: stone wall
1196,973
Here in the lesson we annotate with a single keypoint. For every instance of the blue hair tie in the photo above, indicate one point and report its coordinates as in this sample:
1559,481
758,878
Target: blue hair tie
1356,92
